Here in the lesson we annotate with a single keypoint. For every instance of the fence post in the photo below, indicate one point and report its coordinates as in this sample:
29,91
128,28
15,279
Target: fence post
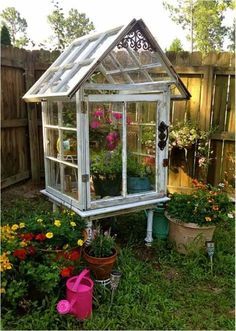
32,122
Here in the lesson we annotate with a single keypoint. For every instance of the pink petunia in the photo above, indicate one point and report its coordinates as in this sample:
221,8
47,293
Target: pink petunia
117,116
128,121
95,124
112,137
99,112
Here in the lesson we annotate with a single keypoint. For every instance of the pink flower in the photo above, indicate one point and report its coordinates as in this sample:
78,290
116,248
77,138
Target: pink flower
112,137
128,120
99,112
111,146
117,116
95,124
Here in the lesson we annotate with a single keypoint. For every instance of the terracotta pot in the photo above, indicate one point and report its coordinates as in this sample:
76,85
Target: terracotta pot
101,267
189,235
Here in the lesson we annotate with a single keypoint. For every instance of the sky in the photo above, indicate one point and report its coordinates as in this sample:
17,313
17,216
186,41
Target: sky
105,14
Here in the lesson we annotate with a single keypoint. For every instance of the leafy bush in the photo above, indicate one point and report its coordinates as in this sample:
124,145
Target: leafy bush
36,253
205,206
102,245
107,162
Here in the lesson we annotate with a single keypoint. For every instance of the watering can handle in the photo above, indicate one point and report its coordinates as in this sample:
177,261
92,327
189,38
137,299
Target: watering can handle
83,274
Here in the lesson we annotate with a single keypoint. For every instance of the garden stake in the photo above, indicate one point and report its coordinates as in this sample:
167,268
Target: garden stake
115,279
210,247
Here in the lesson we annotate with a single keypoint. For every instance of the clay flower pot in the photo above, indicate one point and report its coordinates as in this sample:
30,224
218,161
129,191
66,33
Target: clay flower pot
187,235
101,267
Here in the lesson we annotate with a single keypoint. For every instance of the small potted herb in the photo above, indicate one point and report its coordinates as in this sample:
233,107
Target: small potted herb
101,255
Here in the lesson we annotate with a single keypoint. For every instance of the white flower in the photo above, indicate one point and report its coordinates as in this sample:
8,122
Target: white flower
230,215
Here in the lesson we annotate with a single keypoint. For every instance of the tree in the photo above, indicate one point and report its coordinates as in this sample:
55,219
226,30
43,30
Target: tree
175,46
16,26
203,20
231,36
5,36
66,29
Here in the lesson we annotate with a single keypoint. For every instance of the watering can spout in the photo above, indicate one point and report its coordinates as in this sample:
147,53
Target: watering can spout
79,293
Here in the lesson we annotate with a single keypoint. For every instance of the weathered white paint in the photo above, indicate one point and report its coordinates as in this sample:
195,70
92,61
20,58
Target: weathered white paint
106,210
135,86
124,151
149,238
123,97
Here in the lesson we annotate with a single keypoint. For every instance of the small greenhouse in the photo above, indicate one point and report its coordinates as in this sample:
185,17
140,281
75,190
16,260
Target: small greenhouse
105,108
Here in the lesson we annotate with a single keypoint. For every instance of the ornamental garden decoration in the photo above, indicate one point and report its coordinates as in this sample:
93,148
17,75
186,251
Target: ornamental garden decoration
99,99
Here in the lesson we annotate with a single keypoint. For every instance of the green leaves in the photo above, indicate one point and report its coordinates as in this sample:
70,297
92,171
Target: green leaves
16,26
66,29
107,162
102,246
203,20
203,207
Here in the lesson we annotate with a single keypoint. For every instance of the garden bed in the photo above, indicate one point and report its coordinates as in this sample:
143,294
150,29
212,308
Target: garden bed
159,289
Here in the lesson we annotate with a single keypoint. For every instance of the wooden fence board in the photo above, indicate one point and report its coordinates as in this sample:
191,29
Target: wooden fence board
193,107
230,120
220,102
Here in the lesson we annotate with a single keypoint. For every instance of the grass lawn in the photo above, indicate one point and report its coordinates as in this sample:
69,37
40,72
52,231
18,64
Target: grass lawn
159,289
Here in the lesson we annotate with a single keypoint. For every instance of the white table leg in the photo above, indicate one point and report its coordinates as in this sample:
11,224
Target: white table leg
89,231
149,238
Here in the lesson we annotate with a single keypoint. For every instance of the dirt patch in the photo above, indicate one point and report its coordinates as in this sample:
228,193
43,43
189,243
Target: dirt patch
26,189
172,274
145,253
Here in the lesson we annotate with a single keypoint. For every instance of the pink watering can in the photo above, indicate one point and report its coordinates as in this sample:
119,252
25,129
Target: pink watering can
79,295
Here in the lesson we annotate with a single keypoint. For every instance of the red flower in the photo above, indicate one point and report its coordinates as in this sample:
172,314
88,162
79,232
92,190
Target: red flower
73,255
40,237
31,250
67,272
27,236
20,254
149,160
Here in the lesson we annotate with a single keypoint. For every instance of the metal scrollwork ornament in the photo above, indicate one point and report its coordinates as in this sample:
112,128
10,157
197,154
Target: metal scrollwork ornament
163,135
135,40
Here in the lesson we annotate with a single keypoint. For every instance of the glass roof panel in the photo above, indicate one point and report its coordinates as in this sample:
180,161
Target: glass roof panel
72,64
137,58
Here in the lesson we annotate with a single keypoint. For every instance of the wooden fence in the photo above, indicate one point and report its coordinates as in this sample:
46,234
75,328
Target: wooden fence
210,80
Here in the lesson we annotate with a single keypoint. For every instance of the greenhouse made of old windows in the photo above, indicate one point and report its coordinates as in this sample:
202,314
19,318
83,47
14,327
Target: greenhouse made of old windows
105,108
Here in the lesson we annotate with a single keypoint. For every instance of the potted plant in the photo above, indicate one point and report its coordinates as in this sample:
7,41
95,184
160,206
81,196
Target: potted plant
101,255
193,217
149,139
106,171
138,175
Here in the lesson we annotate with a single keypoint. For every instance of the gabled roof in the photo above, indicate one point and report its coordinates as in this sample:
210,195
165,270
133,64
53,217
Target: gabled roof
124,55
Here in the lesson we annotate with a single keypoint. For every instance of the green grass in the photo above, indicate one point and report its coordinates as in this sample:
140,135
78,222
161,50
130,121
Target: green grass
159,289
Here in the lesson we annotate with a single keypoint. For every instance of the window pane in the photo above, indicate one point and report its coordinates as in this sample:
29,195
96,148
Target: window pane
69,114
70,185
69,147
141,158
52,114
52,142
54,174
105,149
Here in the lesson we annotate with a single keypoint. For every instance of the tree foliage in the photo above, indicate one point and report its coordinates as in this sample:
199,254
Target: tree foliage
231,36
66,29
203,20
5,36
176,46
16,26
